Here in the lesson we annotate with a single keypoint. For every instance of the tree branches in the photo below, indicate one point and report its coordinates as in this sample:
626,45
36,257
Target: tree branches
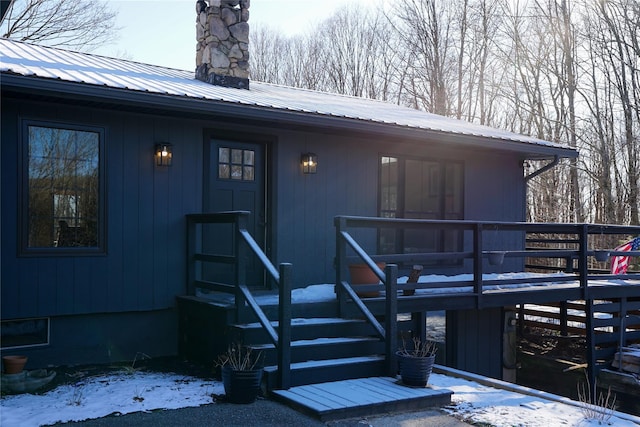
566,71
80,25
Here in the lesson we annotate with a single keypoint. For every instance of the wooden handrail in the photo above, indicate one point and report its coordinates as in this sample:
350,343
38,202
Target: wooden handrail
389,278
245,244
257,251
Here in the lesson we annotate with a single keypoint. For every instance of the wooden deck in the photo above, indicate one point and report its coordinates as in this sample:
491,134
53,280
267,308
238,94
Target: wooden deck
360,397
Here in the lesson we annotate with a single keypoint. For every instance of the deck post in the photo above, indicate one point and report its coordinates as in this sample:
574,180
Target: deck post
240,262
521,319
591,351
623,328
419,325
583,268
391,318
340,261
477,264
284,326
564,312
568,268
192,243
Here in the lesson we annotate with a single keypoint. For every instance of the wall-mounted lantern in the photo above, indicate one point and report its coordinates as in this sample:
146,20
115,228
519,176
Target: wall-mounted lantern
164,154
309,162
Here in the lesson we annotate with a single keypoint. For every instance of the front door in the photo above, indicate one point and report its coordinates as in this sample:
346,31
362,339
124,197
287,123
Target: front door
236,181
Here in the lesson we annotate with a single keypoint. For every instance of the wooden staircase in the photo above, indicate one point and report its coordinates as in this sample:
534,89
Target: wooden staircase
322,349
312,345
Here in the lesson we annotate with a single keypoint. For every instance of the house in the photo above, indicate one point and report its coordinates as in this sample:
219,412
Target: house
103,159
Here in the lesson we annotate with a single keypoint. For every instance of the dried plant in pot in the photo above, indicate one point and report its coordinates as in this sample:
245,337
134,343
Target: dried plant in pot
416,362
241,373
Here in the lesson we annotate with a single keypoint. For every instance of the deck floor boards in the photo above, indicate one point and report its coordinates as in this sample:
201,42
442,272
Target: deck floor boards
360,397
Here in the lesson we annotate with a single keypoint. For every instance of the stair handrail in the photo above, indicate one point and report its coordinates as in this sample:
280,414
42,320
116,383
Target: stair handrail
282,277
389,277
281,340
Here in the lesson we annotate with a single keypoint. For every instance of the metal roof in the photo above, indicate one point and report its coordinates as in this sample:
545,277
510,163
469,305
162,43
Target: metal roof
26,60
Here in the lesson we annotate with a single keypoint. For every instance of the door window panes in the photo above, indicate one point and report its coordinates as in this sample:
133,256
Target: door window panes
236,164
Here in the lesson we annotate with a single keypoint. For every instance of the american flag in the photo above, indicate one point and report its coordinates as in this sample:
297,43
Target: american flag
619,264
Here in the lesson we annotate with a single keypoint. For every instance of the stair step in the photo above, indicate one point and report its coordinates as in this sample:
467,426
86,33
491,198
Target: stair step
303,329
320,371
326,348
309,309
363,397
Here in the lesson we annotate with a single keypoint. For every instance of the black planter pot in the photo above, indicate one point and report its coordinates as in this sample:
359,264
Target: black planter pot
241,386
415,371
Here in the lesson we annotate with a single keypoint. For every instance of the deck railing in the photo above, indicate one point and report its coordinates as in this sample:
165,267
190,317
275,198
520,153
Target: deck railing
578,246
574,243
507,239
243,246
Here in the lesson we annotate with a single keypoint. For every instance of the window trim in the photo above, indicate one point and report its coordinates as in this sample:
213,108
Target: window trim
23,192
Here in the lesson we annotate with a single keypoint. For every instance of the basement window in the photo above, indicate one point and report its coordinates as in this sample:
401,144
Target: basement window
24,333
62,198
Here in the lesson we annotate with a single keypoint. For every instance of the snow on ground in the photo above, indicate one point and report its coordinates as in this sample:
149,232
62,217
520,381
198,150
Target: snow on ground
480,404
99,396
124,393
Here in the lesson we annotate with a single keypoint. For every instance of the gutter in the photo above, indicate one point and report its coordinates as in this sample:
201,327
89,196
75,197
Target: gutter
550,165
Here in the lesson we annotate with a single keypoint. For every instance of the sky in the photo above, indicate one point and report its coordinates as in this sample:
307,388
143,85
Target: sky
162,32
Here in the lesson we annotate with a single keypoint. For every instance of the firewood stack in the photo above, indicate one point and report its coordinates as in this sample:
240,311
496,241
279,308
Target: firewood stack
628,359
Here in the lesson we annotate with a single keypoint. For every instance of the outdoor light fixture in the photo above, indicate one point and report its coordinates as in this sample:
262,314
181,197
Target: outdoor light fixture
164,154
309,162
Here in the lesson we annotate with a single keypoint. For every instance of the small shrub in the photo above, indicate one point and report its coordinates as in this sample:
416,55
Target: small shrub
599,408
133,369
137,396
418,349
77,396
239,358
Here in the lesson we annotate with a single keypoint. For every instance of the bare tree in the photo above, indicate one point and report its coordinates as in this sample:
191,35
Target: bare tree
425,26
357,44
618,46
480,70
561,70
74,24
268,55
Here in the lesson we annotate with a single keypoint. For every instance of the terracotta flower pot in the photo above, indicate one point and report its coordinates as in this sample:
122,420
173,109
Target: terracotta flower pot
361,274
13,364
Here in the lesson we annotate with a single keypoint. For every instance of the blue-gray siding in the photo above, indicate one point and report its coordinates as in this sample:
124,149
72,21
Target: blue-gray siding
144,268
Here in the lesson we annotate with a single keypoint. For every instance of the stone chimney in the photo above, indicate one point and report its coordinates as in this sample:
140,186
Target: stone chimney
222,32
